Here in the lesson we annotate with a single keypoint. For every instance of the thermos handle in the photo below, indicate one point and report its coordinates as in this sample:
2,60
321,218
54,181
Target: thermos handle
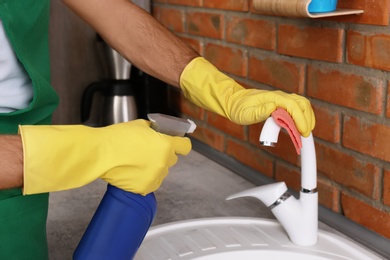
86,102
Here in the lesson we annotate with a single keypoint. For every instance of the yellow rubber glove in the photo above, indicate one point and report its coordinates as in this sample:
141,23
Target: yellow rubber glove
204,85
131,156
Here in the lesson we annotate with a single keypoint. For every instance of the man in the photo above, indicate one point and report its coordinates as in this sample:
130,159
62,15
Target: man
44,158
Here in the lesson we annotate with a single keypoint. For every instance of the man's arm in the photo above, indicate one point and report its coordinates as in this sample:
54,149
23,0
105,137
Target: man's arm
11,161
152,48
137,36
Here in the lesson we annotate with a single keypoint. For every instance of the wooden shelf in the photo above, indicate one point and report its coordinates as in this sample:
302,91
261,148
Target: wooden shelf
337,12
296,8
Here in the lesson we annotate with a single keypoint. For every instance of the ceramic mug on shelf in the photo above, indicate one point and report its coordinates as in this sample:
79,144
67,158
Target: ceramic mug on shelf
322,6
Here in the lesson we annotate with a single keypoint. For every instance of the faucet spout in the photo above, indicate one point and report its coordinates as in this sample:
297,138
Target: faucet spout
269,137
270,133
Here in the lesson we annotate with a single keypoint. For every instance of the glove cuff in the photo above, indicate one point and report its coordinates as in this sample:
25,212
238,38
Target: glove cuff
205,86
52,154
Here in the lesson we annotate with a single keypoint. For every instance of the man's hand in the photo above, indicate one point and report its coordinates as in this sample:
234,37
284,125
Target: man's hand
204,85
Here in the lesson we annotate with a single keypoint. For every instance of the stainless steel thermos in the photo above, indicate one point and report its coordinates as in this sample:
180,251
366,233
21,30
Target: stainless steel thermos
117,91
119,103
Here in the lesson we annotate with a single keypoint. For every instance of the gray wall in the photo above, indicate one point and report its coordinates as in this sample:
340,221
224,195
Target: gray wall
74,61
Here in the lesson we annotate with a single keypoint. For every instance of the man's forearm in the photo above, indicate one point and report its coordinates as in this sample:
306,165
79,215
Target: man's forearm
11,161
137,36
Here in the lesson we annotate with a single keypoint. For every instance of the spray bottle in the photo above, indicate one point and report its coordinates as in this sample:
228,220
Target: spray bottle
122,218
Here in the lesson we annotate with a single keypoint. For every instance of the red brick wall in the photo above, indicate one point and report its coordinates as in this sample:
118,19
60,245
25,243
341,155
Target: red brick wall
341,64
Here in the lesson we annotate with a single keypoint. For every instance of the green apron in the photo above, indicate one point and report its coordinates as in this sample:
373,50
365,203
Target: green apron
23,218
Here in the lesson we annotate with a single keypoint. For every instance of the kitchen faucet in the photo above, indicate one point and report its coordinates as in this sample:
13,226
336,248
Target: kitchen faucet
299,217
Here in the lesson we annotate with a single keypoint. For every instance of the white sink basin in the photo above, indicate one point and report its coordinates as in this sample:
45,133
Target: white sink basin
261,254
243,239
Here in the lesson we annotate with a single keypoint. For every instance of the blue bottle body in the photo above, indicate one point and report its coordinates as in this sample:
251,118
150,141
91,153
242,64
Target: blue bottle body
118,227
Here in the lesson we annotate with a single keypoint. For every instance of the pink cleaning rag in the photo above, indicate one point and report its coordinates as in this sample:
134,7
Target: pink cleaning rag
284,120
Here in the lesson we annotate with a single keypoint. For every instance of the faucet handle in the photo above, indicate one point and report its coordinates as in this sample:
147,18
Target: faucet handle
268,194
